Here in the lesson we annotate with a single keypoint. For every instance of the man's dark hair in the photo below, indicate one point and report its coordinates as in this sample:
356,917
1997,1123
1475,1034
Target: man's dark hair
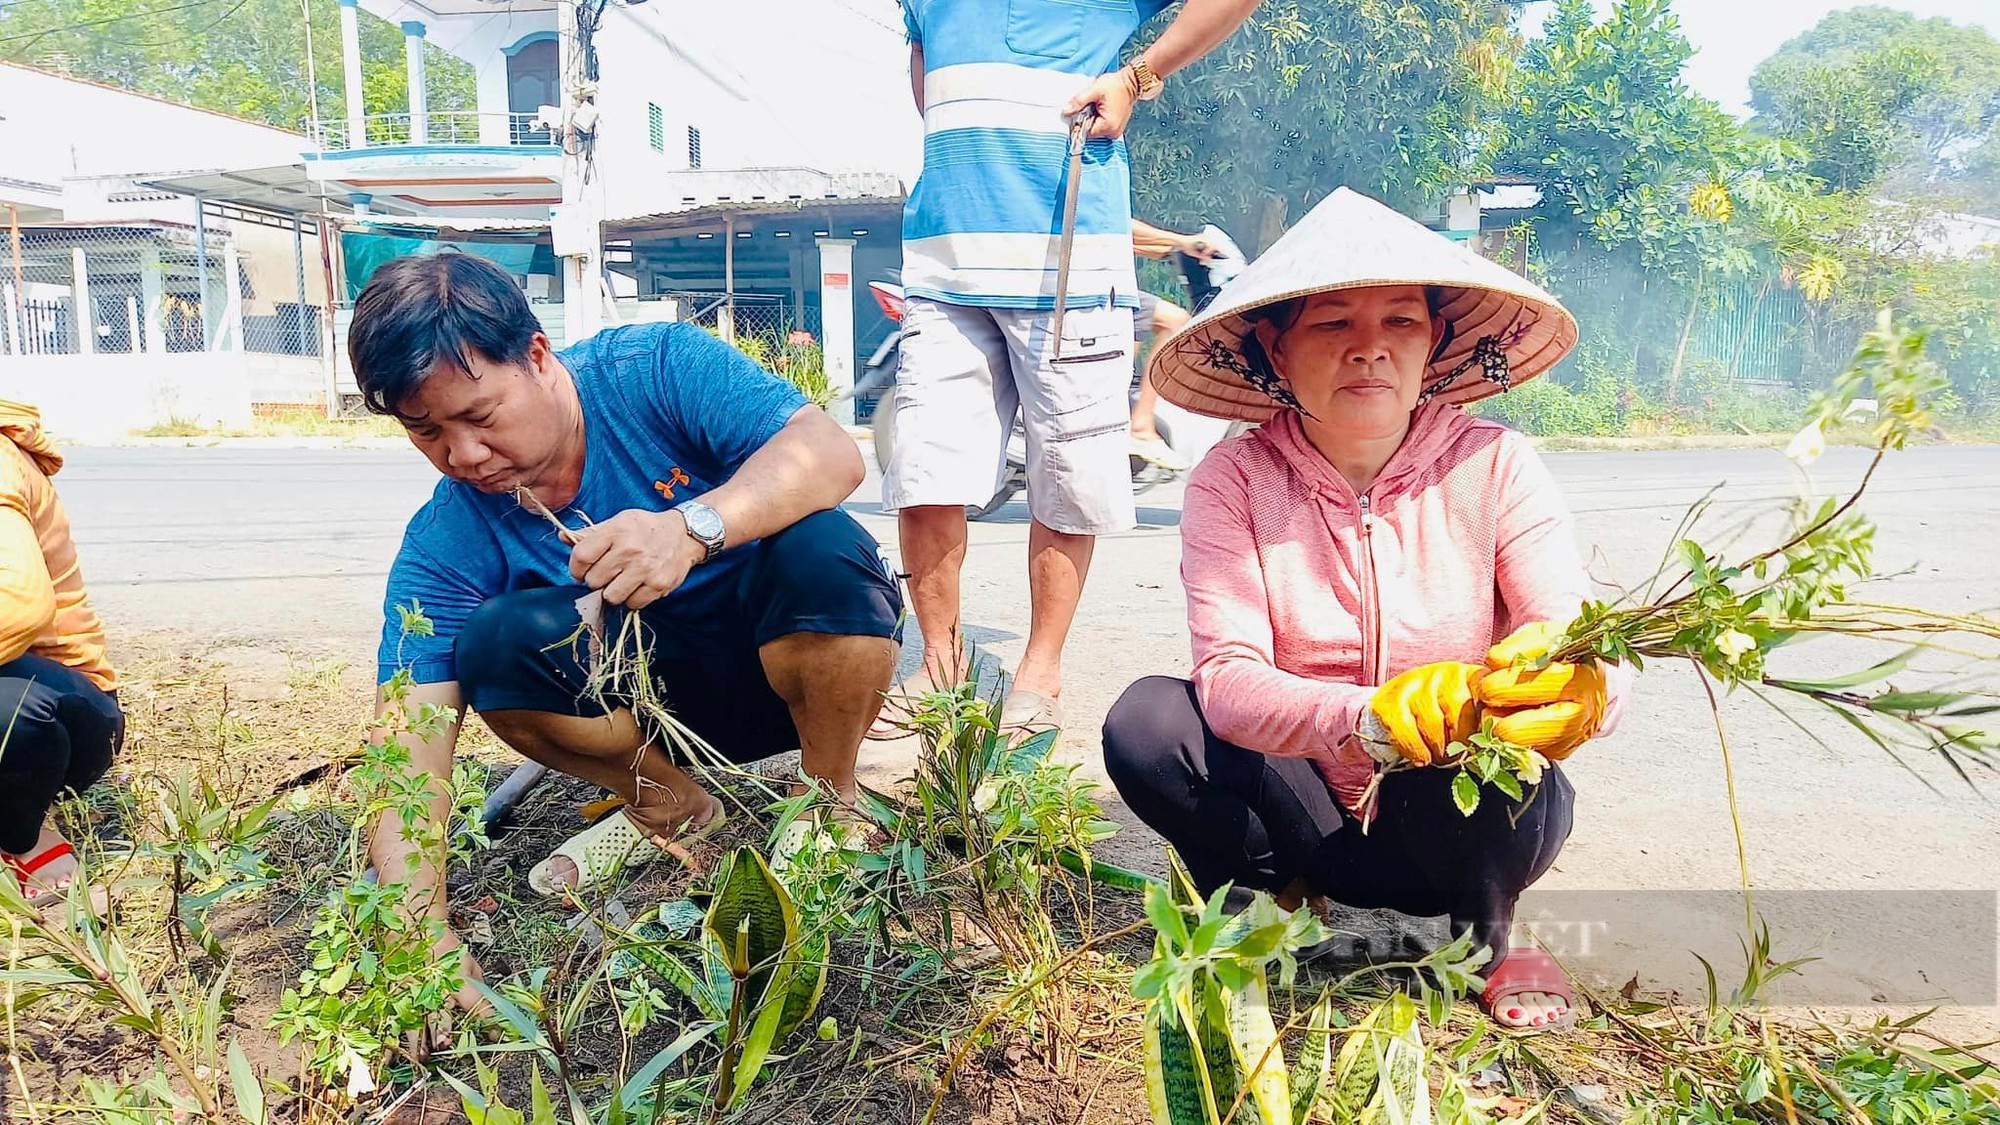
422,311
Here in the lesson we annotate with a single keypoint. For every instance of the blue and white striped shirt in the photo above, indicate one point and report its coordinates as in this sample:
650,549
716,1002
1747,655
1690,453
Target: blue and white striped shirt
983,224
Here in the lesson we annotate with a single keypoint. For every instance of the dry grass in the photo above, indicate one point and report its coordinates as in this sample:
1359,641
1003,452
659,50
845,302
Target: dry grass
1070,1056
280,422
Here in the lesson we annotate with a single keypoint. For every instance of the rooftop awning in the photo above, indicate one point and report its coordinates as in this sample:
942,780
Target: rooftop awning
284,188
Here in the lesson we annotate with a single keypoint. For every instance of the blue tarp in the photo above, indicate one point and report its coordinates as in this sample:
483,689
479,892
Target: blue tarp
362,252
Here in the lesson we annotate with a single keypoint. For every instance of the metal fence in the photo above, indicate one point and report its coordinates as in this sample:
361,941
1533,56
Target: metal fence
137,288
1750,331
1754,332
231,282
744,316
440,127
225,284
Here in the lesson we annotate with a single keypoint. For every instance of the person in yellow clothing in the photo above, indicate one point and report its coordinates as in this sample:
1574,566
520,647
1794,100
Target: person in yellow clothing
58,693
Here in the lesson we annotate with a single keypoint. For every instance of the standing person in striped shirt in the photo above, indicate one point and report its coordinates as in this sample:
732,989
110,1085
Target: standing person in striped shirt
999,82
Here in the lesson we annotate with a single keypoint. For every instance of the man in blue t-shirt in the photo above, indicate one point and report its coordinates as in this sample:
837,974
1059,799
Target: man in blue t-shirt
998,83
691,487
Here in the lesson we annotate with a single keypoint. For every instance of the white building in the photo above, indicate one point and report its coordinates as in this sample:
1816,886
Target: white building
657,127
123,306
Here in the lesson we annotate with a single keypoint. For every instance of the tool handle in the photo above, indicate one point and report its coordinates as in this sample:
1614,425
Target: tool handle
1079,129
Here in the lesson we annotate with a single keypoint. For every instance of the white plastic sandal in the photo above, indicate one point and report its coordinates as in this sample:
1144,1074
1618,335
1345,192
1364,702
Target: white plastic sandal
612,843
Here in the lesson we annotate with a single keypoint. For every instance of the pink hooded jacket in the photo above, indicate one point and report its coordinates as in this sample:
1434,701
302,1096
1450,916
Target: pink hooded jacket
1303,596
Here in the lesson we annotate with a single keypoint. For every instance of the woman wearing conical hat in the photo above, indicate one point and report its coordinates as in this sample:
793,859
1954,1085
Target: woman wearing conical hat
1360,572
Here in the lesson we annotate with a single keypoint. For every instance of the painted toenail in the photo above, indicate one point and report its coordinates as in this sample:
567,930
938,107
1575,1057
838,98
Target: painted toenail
1513,1013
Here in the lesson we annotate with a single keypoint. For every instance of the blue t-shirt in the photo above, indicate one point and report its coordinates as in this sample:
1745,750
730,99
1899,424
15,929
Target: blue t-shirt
669,413
982,225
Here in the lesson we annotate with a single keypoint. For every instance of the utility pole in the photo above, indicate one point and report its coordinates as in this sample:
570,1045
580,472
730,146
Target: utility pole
575,225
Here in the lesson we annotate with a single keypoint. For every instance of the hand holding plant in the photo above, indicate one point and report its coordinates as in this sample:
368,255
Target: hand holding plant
1726,618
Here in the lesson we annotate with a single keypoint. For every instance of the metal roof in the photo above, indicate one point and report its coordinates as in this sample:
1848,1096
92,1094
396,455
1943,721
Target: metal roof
711,216
707,198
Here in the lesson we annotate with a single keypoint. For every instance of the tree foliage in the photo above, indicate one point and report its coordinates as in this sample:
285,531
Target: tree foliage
1621,149
1879,96
1384,96
1634,172
241,57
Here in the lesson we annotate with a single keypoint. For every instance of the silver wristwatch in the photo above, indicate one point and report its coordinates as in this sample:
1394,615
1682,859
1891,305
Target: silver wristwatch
704,525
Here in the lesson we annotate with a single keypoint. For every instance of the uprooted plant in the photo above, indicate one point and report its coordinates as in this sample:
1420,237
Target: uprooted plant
1726,617
923,900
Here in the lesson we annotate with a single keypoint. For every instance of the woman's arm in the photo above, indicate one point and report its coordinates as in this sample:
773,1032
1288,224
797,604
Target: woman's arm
1244,696
27,593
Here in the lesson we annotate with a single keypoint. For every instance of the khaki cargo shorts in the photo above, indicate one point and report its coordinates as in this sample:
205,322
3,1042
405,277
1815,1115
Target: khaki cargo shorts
966,371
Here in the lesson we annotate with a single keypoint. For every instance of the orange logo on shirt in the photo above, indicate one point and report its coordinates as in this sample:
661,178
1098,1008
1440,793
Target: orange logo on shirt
674,479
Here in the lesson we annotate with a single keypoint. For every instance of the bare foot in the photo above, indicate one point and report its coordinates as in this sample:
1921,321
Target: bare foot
1045,681
1529,1009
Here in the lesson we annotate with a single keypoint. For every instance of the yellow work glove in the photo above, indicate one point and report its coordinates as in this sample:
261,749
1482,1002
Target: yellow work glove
1423,711
1552,709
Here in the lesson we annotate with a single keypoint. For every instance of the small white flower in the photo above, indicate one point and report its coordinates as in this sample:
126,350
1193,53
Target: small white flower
1732,645
1807,445
985,797
359,1081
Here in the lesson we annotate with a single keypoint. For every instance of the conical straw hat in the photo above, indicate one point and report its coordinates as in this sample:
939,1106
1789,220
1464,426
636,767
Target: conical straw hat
1505,329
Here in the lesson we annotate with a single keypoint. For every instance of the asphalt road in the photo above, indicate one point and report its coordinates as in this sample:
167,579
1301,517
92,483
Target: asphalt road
288,547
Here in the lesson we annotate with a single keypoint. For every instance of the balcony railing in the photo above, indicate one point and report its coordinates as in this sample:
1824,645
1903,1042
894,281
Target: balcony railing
444,127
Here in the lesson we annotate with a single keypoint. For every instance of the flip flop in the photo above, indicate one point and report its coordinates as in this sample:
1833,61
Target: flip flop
854,834
24,868
1025,714
899,710
613,843
1529,970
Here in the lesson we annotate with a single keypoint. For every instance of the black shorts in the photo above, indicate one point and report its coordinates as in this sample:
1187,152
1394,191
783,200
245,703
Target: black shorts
824,574
60,733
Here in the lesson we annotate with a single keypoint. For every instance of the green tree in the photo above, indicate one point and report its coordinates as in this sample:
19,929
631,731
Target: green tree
1880,95
1385,96
1634,171
242,57
1602,123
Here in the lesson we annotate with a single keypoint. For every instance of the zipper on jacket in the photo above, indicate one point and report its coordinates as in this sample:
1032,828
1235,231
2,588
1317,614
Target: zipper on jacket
1372,595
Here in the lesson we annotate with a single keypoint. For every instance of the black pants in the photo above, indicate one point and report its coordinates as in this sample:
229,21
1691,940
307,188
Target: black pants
61,732
824,574
1235,815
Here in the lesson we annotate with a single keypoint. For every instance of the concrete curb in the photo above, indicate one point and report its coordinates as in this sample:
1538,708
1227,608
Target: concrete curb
1559,443
279,441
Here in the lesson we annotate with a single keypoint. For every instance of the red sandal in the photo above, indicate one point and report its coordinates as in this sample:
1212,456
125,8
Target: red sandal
1529,970
25,867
